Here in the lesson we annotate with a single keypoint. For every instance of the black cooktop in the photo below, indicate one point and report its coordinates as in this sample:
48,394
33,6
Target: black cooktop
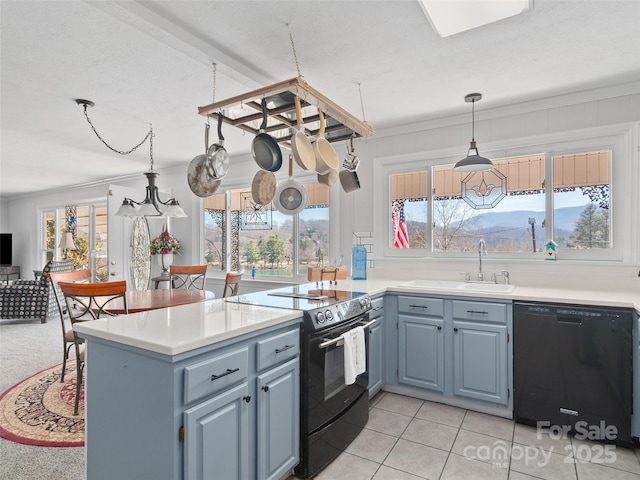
308,296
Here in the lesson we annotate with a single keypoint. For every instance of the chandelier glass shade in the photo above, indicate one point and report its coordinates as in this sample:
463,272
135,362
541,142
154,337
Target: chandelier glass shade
151,206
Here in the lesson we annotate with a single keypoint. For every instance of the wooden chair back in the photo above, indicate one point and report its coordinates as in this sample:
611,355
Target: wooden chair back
231,284
188,277
86,301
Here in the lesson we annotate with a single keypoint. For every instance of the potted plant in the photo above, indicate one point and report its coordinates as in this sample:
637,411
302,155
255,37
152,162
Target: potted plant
165,246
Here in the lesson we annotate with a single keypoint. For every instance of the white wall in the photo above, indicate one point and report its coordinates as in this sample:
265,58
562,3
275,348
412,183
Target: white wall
4,216
500,132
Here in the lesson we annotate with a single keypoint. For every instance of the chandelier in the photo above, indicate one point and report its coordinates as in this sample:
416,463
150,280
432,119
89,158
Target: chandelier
152,205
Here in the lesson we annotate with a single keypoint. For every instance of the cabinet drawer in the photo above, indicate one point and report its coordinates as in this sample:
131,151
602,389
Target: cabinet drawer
217,373
482,311
377,306
424,306
276,349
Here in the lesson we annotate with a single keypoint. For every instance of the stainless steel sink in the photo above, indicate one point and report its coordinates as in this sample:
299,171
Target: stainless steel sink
486,287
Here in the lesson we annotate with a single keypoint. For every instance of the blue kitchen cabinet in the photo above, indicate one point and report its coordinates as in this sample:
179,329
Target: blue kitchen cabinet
421,342
217,436
480,350
453,350
421,362
278,422
376,347
480,361
229,410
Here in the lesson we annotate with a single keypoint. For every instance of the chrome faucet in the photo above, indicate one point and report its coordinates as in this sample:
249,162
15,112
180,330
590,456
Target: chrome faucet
482,250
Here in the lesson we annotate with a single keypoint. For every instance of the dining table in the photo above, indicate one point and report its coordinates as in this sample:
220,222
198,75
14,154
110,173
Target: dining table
143,300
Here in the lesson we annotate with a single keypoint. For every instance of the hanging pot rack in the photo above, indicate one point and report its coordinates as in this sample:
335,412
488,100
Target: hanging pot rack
245,112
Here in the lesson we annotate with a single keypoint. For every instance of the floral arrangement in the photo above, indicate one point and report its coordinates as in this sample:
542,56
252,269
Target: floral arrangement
165,243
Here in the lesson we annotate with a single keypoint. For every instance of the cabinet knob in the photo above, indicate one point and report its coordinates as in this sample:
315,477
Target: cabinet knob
247,398
439,327
455,329
265,388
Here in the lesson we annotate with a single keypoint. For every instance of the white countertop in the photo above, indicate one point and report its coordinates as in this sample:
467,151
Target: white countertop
176,330
618,298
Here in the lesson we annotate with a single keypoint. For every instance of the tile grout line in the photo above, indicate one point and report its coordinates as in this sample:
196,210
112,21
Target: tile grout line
454,442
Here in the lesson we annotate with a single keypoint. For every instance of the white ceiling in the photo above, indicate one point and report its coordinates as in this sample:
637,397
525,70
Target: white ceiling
146,62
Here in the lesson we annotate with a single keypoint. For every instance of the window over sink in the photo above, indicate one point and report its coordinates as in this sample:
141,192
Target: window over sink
517,207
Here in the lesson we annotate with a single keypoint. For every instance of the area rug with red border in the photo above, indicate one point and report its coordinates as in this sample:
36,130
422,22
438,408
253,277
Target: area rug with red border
39,410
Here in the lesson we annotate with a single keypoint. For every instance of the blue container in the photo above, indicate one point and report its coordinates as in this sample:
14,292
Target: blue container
358,263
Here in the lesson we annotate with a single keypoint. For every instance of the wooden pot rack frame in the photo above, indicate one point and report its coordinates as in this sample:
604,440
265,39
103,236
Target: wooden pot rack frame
245,112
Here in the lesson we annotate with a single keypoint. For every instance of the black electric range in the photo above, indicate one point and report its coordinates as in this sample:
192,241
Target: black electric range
323,307
332,413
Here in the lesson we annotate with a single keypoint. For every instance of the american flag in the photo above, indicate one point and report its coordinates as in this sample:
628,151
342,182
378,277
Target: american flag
400,235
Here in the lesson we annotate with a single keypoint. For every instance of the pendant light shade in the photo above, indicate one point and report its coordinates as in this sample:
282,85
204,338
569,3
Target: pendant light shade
473,162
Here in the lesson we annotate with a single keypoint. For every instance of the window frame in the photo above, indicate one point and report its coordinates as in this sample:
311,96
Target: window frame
614,139
304,179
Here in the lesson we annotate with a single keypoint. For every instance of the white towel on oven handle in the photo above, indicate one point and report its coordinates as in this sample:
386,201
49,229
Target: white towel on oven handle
355,359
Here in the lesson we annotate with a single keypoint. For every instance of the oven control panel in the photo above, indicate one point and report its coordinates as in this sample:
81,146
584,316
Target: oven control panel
329,315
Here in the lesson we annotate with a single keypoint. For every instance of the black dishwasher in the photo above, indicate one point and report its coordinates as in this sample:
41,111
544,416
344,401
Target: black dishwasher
572,369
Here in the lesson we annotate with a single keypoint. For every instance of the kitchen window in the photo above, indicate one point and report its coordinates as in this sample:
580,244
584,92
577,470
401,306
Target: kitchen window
262,238
435,210
582,200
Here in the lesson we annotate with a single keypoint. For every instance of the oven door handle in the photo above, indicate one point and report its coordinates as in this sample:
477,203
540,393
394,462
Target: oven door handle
339,339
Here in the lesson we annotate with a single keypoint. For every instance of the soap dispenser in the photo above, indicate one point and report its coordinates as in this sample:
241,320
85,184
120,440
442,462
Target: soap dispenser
358,262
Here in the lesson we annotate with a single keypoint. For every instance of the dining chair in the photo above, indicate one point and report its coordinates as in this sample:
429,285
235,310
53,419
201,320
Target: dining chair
188,277
231,284
68,337
90,301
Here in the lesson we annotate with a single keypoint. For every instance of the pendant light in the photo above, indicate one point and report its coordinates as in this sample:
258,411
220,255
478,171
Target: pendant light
473,162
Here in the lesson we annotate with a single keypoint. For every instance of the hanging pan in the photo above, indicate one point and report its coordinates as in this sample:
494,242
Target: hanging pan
348,177
200,182
328,179
218,164
266,151
291,196
263,187
303,151
326,157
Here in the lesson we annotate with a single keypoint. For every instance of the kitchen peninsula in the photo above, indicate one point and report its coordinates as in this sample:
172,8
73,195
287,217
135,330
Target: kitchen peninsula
151,391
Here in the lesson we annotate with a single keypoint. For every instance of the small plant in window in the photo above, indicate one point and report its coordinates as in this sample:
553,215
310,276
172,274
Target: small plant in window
165,243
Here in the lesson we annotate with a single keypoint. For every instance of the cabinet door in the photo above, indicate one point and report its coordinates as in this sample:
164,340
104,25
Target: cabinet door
217,437
421,352
278,423
375,365
480,361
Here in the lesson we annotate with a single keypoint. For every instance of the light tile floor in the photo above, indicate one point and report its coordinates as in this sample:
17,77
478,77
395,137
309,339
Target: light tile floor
411,439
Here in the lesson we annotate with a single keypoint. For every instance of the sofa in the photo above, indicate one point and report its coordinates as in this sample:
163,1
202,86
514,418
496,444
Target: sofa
32,299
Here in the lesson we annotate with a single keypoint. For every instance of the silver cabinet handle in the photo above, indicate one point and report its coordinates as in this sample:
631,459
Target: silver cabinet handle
419,306
478,311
